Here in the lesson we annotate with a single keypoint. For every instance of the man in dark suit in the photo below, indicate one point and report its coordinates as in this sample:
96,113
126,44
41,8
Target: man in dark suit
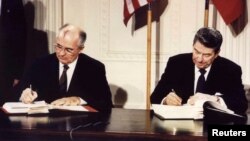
12,46
221,79
85,76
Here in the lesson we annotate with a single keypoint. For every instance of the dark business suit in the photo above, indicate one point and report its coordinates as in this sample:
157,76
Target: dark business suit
88,81
224,77
12,46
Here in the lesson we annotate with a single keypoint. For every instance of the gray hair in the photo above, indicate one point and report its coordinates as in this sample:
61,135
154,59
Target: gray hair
68,27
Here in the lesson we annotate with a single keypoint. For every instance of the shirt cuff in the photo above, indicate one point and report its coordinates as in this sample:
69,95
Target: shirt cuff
220,99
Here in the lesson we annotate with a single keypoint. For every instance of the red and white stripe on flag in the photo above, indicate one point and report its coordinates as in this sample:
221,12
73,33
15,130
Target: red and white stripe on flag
130,7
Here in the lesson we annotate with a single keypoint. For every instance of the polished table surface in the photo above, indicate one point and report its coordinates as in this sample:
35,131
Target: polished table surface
120,124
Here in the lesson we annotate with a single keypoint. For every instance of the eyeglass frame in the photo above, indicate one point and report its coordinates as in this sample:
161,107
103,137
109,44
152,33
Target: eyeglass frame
60,48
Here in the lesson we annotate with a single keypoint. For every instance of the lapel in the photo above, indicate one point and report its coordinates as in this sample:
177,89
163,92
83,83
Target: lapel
54,65
213,78
185,83
190,78
76,75
188,71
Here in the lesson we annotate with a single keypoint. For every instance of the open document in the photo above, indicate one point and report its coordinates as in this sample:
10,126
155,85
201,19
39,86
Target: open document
178,112
197,111
21,108
39,107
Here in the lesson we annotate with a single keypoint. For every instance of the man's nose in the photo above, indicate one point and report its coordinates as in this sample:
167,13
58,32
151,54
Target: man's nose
62,52
200,57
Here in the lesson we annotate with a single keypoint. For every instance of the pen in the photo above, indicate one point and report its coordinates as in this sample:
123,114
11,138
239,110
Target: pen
179,100
173,90
31,89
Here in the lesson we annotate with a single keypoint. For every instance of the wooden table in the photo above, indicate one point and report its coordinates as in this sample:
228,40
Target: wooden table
120,124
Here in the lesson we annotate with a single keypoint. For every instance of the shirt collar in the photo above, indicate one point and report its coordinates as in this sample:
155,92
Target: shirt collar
207,69
71,65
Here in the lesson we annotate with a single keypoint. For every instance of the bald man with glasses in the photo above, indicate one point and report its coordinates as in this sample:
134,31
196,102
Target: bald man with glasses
68,77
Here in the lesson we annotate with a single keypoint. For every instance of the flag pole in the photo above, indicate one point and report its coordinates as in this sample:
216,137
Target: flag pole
149,27
206,13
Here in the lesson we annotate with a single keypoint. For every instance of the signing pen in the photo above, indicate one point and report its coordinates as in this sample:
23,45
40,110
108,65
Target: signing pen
31,91
173,91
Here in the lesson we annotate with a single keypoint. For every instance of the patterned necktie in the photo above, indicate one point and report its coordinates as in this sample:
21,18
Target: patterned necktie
201,81
63,80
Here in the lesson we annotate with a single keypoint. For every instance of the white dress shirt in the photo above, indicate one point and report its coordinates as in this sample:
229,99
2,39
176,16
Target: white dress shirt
69,72
197,74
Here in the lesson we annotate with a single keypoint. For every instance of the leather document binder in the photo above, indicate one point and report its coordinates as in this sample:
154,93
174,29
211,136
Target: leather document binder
215,113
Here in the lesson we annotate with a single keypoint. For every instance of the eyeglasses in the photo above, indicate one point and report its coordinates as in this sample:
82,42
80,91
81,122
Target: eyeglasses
60,48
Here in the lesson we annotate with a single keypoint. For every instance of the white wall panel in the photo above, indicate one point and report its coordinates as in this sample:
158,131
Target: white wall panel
48,17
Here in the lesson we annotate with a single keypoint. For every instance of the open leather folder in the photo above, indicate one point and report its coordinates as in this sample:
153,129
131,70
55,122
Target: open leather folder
207,111
215,113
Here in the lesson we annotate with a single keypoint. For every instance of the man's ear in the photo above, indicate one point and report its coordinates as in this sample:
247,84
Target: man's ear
217,54
81,48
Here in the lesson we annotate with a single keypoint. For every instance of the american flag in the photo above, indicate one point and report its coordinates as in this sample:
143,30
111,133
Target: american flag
130,7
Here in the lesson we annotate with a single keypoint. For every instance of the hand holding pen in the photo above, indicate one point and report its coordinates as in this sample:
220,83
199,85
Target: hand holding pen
172,99
28,95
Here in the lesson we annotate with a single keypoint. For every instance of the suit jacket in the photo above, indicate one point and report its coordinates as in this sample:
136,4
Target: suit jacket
12,46
224,77
88,81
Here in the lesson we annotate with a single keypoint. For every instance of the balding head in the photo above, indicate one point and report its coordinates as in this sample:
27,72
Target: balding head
73,33
69,43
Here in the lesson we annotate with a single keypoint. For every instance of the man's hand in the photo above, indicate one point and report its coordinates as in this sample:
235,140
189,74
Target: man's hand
202,97
28,96
172,99
67,101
